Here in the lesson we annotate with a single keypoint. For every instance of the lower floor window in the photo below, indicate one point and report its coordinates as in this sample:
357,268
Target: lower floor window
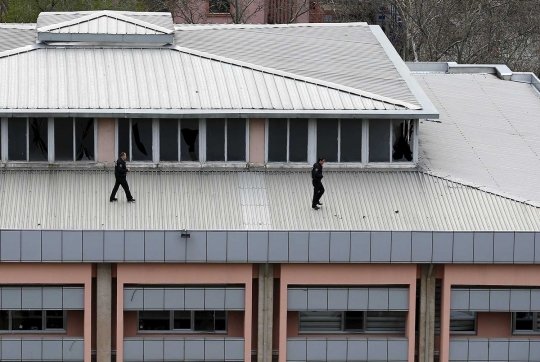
526,322
353,321
32,320
462,322
179,320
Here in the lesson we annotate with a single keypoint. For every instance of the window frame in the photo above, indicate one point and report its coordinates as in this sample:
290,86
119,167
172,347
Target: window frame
43,330
210,13
267,143
472,333
171,329
536,324
414,147
363,159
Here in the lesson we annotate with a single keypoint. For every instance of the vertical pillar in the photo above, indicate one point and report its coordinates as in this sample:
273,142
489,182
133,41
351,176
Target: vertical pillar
283,320
106,140
104,305
256,141
427,314
265,313
411,320
88,319
120,317
445,319
248,312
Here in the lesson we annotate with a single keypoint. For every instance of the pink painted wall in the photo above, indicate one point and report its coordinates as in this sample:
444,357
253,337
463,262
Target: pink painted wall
106,140
202,15
256,140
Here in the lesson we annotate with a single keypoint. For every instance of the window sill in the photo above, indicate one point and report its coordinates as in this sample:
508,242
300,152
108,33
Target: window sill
369,333
352,166
525,333
45,332
175,332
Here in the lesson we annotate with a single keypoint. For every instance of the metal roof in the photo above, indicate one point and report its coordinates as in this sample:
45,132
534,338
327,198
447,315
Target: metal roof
487,134
16,35
275,200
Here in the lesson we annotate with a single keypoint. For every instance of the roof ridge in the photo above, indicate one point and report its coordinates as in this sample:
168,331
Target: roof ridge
190,27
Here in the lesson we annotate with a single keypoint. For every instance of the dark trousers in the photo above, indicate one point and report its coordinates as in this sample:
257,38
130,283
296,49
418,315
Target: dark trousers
318,191
121,182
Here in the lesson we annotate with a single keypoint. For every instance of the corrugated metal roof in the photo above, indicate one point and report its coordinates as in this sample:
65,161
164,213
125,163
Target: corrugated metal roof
488,133
14,36
354,200
349,55
165,78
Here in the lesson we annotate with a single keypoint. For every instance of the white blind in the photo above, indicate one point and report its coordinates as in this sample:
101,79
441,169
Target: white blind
320,321
391,322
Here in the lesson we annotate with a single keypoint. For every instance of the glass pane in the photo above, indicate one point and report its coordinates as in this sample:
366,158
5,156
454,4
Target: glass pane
204,320
38,141
141,139
189,129
327,139
219,7
320,321
403,141
221,320
4,320
154,320
17,139
277,140
123,138
168,140
462,321
63,139
54,319
236,140
379,140
388,322
27,320
84,138
182,319
524,321
351,140
215,140
354,320
298,140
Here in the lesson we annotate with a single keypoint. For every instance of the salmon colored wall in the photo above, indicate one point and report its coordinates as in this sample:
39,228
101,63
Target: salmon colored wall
75,323
275,330
106,140
255,318
113,312
256,140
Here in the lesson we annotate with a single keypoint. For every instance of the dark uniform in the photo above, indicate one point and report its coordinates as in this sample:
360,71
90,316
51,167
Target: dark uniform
318,188
120,171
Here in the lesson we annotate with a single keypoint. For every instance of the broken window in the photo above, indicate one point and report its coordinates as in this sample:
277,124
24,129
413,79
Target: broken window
225,139
38,141
379,140
402,144
219,7
287,140
84,139
189,140
17,138
141,139
179,140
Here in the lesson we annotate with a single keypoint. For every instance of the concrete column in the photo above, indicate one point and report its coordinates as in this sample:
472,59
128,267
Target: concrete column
256,142
426,331
106,140
265,313
104,305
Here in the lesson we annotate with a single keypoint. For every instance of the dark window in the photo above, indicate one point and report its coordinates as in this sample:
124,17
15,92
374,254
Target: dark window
402,141
379,140
154,320
327,139
200,321
84,139
63,139
277,140
215,140
298,140
320,321
17,138
168,140
4,320
38,141
219,7
351,140
54,319
236,140
182,319
389,322
526,322
204,320
123,137
141,139
32,320
27,320
462,321
189,136
354,321
220,320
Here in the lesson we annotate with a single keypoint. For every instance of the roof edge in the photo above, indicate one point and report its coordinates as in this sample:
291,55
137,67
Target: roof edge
191,27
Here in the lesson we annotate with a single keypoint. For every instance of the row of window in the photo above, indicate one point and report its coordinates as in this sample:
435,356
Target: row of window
32,320
211,140
183,321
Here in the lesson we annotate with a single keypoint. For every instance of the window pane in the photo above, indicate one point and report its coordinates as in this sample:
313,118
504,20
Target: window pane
168,140
4,320
84,138
327,139
182,319
17,139
221,320
462,321
38,141
27,320
123,138
298,140
524,321
379,140
236,140
204,320
219,7
351,140
387,322
354,320
63,139
141,139
277,140
189,129
54,319
215,140
403,140
154,320
320,321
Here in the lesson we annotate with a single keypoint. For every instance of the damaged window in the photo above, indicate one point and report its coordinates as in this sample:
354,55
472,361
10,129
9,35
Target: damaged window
189,140
225,139
38,141
183,321
141,139
178,140
402,145
391,141
84,139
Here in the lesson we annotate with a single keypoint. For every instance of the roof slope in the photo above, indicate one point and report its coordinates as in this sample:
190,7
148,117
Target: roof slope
14,36
488,135
254,200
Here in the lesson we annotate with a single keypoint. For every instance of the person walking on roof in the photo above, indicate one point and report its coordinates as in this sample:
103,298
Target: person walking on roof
120,171
318,188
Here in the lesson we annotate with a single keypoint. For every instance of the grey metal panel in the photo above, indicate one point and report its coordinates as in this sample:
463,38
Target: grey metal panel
133,350
214,350
216,243
234,349
360,247
338,299
31,350
154,298
174,299
194,299
297,299
194,349
134,246
336,350
443,245
317,299
357,348
316,349
459,299
398,299
93,248
463,247
401,246
31,298
483,247
10,245
237,246
534,350
153,350
398,349
73,350
459,350
154,246
479,300
378,299
298,246
498,349
340,246
11,298
51,245
52,350
503,247
422,247
214,299
377,350
520,300
524,248
30,245
537,248
381,245
196,246
52,298
133,299
11,349
478,349
73,298
173,350
175,246
296,350
72,246
518,350
319,247
535,300
235,299
278,247
257,246
499,300
358,299
113,246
